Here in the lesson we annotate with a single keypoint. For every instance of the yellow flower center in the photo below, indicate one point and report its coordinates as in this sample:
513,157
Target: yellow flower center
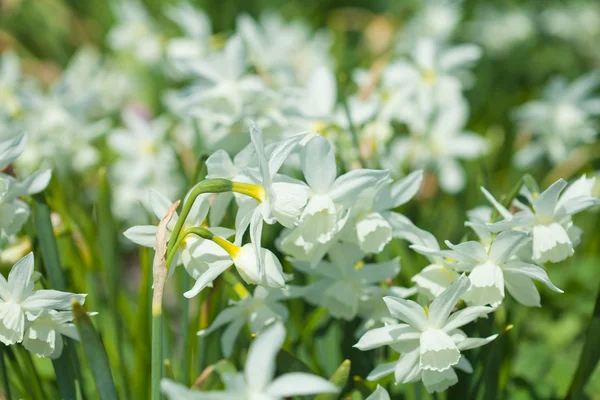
249,189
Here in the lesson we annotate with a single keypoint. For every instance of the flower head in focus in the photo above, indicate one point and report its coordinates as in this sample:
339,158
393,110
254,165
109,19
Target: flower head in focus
429,340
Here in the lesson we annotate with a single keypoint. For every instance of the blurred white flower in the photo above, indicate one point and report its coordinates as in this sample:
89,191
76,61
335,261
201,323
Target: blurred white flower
345,282
135,32
437,146
501,30
197,27
44,337
430,341
256,382
561,120
379,394
436,19
548,217
288,52
432,76
258,311
146,160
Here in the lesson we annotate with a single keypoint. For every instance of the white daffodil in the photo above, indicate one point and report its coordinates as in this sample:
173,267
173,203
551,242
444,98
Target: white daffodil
344,282
379,394
258,311
44,336
135,32
372,217
256,382
329,202
491,269
287,52
197,255
430,341
14,212
430,77
548,218
11,148
500,31
18,300
561,121
222,84
270,197
146,160
435,19
197,27
10,80
220,165
435,277
439,146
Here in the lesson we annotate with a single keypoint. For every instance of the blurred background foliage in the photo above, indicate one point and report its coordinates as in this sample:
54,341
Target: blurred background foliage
535,359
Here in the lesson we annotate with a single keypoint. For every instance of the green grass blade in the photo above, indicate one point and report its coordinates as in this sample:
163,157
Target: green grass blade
43,226
64,367
5,383
95,354
589,357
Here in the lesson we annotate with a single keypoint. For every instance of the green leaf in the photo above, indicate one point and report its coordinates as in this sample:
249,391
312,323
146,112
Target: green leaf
589,357
65,366
339,379
95,354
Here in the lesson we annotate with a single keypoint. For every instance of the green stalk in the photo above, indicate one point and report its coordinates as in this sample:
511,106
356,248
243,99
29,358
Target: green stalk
185,330
589,356
33,375
65,367
157,364
207,186
4,373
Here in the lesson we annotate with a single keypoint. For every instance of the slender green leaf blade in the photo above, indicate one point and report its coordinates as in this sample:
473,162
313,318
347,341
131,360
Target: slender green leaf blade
95,354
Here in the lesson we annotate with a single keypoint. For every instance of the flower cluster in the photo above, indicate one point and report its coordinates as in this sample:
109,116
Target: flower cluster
36,318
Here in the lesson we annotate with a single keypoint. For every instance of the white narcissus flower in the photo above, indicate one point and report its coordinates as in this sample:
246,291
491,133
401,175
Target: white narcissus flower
258,311
372,217
561,121
286,52
256,382
197,255
19,303
430,77
135,32
220,165
440,145
14,211
44,335
548,218
490,270
146,160
379,394
271,197
435,277
182,51
330,200
430,341
344,285
11,148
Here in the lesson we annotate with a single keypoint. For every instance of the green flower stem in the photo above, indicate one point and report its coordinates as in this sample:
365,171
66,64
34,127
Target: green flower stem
207,186
197,230
157,364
